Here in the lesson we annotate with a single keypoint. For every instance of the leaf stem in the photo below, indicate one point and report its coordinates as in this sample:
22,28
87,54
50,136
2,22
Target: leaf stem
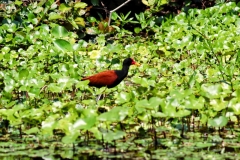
110,15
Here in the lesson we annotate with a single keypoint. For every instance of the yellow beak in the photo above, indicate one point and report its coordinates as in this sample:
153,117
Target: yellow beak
137,64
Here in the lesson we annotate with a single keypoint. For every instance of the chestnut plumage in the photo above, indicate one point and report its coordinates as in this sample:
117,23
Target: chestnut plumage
110,78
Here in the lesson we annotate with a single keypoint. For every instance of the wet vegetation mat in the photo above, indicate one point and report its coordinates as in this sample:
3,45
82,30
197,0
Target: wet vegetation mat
183,102
194,145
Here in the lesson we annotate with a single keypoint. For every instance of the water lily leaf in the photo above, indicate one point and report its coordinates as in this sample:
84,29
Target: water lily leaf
144,82
211,90
182,113
31,16
1,41
80,5
114,115
145,2
64,82
110,135
23,73
19,37
94,54
70,139
203,145
123,97
80,21
142,105
159,115
194,103
12,27
235,105
54,16
64,7
32,130
85,123
82,84
34,92
63,45
17,2
59,31
49,124
97,134
218,104
53,87
218,121
137,30
154,102
9,85
89,113
8,37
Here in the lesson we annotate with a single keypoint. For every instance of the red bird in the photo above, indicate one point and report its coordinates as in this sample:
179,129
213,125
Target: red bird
110,78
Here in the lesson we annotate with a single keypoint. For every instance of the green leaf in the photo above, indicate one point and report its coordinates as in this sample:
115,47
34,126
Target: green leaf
65,82
182,113
53,87
145,2
235,105
110,135
152,104
64,7
1,41
89,113
82,84
137,30
211,90
11,27
194,103
18,3
123,97
23,73
19,37
54,16
203,145
218,122
92,19
114,115
144,82
34,92
155,102
218,104
114,16
70,139
49,3
59,31
31,16
80,5
32,130
159,115
49,124
63,45
85,123
80,21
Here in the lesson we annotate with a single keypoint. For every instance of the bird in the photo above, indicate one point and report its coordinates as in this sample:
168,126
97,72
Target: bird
110,78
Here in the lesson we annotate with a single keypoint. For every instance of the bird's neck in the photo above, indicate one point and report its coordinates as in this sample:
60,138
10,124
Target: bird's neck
125,70
122,73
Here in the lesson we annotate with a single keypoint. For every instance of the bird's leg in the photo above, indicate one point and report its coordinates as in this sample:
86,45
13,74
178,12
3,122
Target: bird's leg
101,95
98,97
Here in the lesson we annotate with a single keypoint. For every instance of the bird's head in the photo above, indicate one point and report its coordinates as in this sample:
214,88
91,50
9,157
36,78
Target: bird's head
130,61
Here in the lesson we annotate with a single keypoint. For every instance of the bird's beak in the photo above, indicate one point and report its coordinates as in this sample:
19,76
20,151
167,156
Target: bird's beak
137,64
